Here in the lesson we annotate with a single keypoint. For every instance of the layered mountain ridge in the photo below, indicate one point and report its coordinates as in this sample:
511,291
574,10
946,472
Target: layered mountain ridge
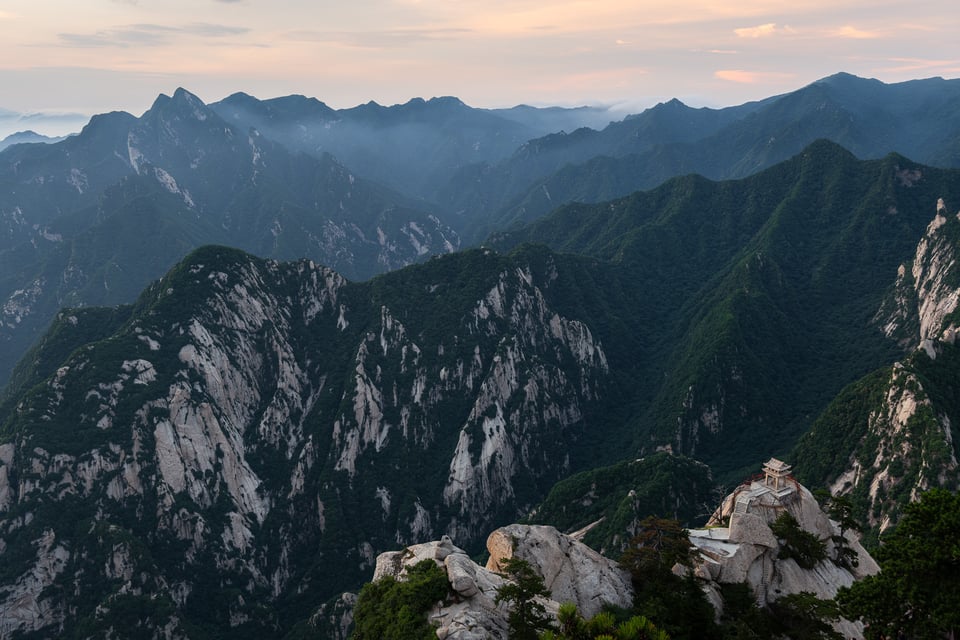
260,430
413,147
94,219
254,428
251,416
290,177
866,116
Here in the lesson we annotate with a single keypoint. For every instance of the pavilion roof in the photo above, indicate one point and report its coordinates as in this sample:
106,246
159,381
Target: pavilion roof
776,465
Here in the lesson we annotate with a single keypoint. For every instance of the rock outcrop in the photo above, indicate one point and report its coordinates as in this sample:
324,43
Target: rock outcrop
738,546
571,571
919,313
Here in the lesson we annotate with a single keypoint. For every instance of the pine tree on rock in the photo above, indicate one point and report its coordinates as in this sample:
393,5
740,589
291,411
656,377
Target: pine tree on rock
527,616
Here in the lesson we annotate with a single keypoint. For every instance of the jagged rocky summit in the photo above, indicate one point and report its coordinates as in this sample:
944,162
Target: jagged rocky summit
739,546
572,571
231,453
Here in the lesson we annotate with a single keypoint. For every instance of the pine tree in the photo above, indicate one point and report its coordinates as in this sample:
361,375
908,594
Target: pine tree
527,616
916,591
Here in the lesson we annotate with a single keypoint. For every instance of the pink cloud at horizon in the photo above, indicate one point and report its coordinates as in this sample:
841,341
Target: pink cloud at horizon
116,54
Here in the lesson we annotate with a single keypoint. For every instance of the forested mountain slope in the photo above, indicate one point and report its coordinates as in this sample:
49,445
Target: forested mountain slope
260,430
916,119
755,296
893,434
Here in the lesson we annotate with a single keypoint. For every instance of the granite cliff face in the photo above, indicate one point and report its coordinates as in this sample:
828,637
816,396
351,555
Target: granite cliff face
918,314
908,448
896,429
914,426
739,546
241,435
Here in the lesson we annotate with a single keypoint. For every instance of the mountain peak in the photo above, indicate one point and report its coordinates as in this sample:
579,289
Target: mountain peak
846,80
106,121
451,101
183,102
670,106
292,108
181,95
825,148
673,103
299,101
442,105
241,97
841,76
159,103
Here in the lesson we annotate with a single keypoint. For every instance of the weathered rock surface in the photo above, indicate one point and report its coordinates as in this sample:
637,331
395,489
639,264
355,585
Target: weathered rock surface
918,314
23,606
571,571
906,432
335,618
747,550
249,421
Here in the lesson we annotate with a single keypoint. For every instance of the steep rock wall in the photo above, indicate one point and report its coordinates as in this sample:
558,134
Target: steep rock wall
246,428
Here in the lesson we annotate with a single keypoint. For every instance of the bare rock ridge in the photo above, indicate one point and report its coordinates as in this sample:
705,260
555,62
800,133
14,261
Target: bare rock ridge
572,571
738,546
919,314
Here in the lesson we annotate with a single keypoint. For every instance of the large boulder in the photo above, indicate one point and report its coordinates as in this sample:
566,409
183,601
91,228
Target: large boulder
571,571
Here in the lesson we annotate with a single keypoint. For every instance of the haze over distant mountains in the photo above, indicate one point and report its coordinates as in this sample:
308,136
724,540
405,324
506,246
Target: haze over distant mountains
261,430
47,124
373,188
257,421
917,119
28,136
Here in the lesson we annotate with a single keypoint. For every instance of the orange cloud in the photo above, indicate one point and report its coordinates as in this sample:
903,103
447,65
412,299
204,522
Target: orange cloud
751,77
852,32
762,31
524,17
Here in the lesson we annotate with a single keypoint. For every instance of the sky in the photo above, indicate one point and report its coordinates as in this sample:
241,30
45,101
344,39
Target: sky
94,56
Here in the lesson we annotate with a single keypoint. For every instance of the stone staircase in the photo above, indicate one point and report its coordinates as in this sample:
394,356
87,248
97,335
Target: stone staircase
762,592
742,503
